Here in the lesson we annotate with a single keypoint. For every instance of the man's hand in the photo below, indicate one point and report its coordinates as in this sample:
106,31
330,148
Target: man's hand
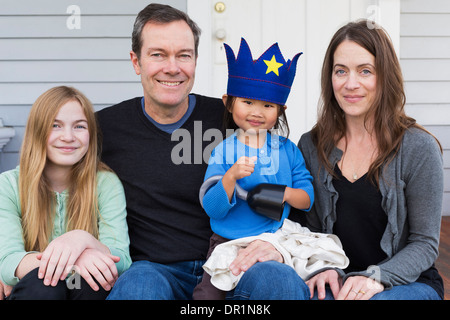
330,277
257,251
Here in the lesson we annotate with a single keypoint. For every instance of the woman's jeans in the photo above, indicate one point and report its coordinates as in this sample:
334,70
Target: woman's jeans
412,291
146,280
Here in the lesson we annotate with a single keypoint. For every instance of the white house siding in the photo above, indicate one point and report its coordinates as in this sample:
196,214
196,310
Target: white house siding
425,59
38,50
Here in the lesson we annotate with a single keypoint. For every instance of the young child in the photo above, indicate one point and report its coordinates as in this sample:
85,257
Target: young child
255,106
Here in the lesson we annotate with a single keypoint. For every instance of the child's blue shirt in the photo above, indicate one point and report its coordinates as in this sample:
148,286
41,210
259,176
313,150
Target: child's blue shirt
279,162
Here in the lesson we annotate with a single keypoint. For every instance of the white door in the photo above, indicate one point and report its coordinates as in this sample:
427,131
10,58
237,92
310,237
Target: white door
261,23
297,25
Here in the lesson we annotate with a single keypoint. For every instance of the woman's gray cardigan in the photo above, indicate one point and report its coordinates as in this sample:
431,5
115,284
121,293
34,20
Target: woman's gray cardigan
412,191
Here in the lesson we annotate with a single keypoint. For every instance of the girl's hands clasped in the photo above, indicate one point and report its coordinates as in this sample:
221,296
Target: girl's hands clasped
78,248
94,264
57,260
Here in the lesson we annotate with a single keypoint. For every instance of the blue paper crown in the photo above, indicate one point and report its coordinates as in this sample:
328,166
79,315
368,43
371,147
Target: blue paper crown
268,79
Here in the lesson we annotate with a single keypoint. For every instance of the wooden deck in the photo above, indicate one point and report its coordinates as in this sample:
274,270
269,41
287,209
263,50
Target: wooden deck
443,261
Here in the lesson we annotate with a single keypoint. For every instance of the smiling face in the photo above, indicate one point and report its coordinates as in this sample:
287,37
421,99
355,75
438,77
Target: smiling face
354,79
252,116
167,64
68,141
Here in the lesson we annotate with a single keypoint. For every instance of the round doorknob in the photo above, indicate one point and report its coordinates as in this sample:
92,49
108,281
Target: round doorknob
220,7
220,34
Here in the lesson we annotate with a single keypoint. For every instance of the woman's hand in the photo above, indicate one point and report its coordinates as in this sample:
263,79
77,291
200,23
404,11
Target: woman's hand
359,288
93,263
257,251
57,260
330,277
5,290
354,288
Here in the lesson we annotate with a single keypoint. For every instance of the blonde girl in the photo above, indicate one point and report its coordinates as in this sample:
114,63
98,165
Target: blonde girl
61,209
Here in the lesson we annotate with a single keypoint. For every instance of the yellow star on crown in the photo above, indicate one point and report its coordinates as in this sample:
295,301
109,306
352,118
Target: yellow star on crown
273,66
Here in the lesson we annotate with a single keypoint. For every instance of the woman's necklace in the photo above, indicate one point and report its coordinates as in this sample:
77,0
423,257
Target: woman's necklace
359,147
356,171
355,176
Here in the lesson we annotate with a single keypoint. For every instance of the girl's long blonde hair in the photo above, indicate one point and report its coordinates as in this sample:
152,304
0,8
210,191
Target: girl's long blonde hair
37,200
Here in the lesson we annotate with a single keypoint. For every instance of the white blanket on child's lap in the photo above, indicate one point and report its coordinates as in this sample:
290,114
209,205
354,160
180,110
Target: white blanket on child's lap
302,249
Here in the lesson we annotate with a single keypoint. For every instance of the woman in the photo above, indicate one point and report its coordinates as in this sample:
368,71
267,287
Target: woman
61,209
378,175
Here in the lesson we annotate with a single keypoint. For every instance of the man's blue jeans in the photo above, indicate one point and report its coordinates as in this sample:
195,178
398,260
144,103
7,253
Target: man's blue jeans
146,280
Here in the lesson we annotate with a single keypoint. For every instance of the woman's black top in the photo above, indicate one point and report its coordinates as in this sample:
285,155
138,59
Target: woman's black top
360,224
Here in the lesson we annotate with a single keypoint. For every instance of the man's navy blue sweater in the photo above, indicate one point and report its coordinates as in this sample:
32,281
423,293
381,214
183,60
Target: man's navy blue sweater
166,222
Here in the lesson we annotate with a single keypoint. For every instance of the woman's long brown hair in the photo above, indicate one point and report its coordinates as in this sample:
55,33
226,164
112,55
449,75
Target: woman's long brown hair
389,119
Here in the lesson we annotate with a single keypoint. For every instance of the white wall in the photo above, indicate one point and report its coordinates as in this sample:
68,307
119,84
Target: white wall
425,60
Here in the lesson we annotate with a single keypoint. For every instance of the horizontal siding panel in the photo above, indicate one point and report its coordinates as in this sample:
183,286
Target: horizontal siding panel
8,160
425,61
429,114
446,204
427,92
447,180
442,133
425,47
424,24
67,71
65,49
55,26
14,115
428,6
426,70
447,159
17,115
98,93
45,7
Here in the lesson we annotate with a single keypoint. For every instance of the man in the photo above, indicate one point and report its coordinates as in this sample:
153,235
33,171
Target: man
169,231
